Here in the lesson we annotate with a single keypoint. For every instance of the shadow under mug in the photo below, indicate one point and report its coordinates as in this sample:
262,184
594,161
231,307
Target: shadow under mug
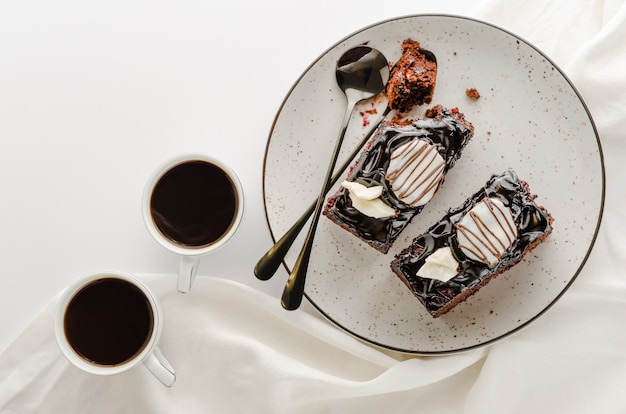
110,322
192,205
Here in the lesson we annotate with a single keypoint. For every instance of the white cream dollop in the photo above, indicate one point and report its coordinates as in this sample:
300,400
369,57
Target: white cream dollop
415,172
367,201
486,231
440,265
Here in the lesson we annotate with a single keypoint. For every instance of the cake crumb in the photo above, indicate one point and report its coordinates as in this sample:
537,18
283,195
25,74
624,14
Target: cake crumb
472,93
366,119
365,115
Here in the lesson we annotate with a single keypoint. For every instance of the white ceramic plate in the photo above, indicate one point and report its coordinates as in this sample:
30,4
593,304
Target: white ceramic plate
529,118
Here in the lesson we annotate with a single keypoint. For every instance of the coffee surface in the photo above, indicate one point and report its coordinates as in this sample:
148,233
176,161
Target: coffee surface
109,321
194,204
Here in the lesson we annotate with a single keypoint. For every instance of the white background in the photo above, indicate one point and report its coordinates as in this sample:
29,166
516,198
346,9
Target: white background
95,95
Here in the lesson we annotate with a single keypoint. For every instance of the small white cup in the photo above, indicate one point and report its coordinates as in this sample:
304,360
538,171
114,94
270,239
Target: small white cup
189,254
147,353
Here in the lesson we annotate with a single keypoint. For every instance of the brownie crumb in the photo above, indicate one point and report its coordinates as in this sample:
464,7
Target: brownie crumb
365,115
472,93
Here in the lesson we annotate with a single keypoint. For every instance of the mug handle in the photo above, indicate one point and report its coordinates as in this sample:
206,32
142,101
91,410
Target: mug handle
187,272
160,367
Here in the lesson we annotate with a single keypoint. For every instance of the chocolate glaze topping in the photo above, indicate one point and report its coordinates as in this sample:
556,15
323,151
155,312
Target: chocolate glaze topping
533,224
445,129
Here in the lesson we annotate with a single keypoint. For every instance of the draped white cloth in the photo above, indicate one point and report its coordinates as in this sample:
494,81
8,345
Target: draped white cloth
236,350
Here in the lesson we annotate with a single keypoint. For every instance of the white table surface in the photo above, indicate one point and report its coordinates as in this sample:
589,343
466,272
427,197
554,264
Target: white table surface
95,95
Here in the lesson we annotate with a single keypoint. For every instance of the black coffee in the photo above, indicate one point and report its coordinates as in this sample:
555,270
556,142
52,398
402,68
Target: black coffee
109,321
194,204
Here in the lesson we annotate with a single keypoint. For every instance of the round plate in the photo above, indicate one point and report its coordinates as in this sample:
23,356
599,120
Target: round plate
529,118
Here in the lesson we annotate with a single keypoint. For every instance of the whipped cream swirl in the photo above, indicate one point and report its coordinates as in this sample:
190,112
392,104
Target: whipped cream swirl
441,265
367,200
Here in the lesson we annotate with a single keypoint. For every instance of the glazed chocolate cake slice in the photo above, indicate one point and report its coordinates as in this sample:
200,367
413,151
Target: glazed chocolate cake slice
489,233
399,171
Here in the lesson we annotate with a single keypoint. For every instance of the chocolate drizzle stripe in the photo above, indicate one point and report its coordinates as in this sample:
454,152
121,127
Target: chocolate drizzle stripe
478,244
435,179
412,187
485,243
420,157
395,174
510,226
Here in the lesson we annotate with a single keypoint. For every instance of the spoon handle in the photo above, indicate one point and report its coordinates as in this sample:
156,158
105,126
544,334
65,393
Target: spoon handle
294,289
267,266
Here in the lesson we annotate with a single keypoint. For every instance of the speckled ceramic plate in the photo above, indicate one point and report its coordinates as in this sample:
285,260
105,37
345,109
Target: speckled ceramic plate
529,118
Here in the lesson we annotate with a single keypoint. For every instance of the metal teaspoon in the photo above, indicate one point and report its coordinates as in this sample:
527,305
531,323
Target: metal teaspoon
267,266
362,73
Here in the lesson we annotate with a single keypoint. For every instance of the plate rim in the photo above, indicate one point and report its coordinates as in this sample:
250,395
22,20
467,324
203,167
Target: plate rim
600,211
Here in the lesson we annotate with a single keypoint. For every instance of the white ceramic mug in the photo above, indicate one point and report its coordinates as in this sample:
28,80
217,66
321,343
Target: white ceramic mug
124,326
214,191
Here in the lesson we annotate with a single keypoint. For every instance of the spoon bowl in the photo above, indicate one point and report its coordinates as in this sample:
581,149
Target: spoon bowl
363,69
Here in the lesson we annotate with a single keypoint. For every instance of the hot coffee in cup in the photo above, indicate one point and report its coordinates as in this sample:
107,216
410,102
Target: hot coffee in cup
192,205
110,322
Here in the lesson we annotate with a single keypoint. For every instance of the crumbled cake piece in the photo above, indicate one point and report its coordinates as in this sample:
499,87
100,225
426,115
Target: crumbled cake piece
399,171
473,243
472,93
412,79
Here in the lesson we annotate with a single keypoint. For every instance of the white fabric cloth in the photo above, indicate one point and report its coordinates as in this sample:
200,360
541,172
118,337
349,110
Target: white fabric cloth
236,350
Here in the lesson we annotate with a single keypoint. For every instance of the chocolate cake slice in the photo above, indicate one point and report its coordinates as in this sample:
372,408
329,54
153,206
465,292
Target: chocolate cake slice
413,78
399,171
473,243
